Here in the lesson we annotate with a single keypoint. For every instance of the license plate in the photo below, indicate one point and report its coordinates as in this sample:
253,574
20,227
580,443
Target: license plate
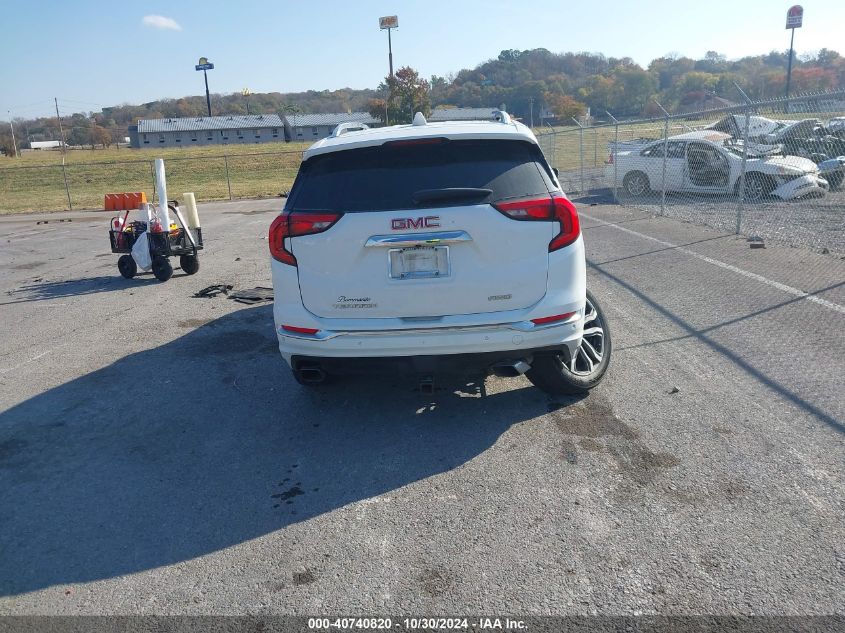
422,262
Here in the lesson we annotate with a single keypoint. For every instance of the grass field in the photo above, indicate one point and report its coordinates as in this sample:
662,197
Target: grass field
35,181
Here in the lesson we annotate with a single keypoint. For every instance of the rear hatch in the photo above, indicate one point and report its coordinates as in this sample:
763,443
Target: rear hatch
419,235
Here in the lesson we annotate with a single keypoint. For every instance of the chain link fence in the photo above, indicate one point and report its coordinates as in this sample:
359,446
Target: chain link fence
78,185
768,170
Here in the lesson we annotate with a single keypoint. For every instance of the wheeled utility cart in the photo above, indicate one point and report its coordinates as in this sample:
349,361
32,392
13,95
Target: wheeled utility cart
175,240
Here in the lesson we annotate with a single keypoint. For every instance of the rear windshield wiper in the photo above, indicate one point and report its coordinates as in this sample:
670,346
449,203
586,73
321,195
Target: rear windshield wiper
451,193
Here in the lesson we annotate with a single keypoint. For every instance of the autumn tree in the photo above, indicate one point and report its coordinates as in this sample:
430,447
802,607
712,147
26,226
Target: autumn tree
564,106
99,135
407,93
376,109
6,144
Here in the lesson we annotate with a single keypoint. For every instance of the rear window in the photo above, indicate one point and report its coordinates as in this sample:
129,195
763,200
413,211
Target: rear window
385,178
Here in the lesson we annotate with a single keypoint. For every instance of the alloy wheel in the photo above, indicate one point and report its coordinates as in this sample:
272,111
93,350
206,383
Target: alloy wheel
636,185
587,358
754,189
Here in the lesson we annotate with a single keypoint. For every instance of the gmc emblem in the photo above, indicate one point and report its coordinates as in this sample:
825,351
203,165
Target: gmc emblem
401,224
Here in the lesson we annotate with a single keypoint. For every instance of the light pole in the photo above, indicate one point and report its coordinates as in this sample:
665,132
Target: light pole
245,92
531,107
204,65
794,19
389,22
12,126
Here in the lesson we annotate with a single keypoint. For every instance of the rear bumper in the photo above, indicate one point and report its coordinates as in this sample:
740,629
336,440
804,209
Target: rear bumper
478,333
446,364
510,341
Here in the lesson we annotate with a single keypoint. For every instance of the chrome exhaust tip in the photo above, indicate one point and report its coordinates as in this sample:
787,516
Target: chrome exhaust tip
510,369
311,375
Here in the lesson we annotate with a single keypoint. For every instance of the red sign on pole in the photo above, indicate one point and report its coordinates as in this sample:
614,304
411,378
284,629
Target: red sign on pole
794,17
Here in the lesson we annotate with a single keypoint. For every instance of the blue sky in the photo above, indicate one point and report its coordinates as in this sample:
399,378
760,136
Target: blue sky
90,54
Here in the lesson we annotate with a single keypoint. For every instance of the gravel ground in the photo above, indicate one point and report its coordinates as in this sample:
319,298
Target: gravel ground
816,224
157,458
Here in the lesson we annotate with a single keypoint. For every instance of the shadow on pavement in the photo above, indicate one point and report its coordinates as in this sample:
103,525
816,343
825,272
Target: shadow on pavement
734,356
80,287
206,442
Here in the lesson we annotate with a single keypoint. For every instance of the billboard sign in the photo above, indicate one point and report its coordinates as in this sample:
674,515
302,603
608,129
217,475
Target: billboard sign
794,17
389,22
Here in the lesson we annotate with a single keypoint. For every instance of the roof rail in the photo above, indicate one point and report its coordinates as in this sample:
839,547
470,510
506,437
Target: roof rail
502,117
349,126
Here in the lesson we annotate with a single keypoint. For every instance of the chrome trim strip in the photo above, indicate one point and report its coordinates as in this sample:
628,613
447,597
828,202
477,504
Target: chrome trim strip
519,326
418,239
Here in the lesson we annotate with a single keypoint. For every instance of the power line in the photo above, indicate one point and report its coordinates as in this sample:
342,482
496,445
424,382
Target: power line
85,102
24,106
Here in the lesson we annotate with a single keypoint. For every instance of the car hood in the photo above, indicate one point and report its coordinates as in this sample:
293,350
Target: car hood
775,163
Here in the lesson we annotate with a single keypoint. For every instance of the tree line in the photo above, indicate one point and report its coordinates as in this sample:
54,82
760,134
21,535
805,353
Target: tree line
569,83
529,83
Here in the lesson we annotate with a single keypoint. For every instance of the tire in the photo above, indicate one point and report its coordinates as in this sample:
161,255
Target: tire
162,268
127,266
636,184
559,375
757,187
190,264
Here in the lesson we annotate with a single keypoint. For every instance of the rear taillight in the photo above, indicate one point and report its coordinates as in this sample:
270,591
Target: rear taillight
295,329
293,224
555,208
570,228
552,319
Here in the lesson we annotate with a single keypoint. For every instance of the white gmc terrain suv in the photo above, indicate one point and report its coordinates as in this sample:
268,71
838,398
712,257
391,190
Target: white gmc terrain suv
434,248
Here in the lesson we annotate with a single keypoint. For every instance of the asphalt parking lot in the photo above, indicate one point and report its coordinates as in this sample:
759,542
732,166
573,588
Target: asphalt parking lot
815,224
156,456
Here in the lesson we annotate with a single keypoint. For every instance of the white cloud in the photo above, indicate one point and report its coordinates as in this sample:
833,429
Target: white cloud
161,22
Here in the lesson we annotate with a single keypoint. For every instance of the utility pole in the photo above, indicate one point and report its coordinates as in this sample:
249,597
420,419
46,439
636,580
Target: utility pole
12,126
64,169
61,130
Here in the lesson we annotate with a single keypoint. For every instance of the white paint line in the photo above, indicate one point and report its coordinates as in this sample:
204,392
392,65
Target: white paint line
31,360
734,269
28,235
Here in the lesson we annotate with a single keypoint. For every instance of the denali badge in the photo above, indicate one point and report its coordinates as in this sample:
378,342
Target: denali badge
429,221
353,303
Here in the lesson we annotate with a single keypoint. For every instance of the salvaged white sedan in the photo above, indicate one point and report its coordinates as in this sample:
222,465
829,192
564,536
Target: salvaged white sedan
711,162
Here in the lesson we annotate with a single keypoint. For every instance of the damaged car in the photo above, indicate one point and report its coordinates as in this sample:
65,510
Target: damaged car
711,162
808,138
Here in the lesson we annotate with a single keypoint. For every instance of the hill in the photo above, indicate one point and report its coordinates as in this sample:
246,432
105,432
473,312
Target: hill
527,82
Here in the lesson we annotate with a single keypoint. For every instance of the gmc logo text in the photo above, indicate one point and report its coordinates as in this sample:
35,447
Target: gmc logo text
429,221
